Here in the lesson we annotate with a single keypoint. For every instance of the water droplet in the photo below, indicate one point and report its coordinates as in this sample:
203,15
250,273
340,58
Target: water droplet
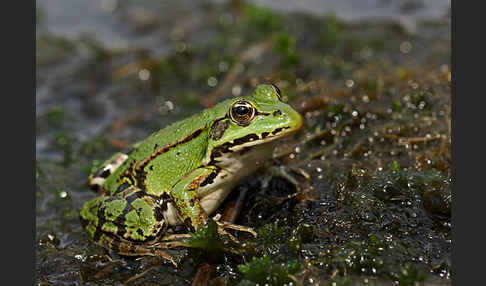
236,90
405,47
144,74
212,81
223,66
63,194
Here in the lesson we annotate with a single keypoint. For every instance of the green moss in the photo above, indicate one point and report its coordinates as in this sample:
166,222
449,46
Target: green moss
337,65
395,166
55,115
64,142
417,98
96,144
342,282
263,271
284,45
330,34
410,275
164,68
206,238
260,21
270,237
191,99
334,109
397,105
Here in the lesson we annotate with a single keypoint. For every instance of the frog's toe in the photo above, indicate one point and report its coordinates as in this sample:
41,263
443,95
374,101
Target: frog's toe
167,256
226,225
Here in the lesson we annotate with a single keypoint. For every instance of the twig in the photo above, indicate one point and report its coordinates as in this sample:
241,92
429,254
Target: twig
233,207
323,151
410,139
143,273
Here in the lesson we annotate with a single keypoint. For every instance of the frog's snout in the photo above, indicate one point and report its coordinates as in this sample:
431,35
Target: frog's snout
296,119
293,118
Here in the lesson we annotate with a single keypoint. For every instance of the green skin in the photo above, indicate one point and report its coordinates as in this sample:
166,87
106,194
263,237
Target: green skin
182,173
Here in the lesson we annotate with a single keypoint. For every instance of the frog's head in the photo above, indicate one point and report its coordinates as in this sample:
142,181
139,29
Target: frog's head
256,119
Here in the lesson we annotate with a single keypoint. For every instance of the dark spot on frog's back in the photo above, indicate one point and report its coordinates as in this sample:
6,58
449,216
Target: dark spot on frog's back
122,187
277,112
193,135
132,197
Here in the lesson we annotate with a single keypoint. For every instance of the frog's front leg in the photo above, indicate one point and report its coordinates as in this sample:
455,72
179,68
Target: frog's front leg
129,223
185,196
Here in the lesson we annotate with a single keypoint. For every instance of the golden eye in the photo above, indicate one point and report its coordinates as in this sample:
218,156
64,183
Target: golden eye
242,112
277,90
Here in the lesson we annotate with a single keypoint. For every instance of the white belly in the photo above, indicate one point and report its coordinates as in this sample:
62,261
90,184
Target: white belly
235,166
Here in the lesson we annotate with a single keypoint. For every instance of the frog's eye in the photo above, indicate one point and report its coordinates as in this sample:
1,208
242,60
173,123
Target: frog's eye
277,90
242,112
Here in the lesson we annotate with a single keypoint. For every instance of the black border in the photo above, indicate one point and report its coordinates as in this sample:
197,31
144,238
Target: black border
18,138
467,119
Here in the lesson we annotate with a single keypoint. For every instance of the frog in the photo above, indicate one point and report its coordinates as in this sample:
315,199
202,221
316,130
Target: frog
182,173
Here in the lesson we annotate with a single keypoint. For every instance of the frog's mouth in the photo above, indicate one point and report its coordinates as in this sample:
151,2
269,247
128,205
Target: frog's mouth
244,143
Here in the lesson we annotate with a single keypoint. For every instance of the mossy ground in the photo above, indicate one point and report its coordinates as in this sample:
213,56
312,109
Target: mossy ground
375,146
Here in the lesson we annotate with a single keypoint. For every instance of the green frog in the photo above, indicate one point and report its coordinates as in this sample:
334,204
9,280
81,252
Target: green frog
181,174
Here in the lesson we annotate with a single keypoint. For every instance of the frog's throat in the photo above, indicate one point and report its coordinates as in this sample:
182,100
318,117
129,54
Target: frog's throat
246,141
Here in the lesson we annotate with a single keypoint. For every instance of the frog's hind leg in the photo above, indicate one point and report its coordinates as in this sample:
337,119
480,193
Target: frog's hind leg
129,223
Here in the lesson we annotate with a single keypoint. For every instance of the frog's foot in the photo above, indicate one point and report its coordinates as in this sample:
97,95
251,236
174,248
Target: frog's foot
222,226
290,175
131,249
297,177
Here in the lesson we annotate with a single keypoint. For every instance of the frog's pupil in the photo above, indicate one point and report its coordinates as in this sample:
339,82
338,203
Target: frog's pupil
241,110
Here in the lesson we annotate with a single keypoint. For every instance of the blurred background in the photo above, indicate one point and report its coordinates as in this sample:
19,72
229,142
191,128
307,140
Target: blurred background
371,77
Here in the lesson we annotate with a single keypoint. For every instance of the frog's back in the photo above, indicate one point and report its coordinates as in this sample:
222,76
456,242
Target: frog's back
160,160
